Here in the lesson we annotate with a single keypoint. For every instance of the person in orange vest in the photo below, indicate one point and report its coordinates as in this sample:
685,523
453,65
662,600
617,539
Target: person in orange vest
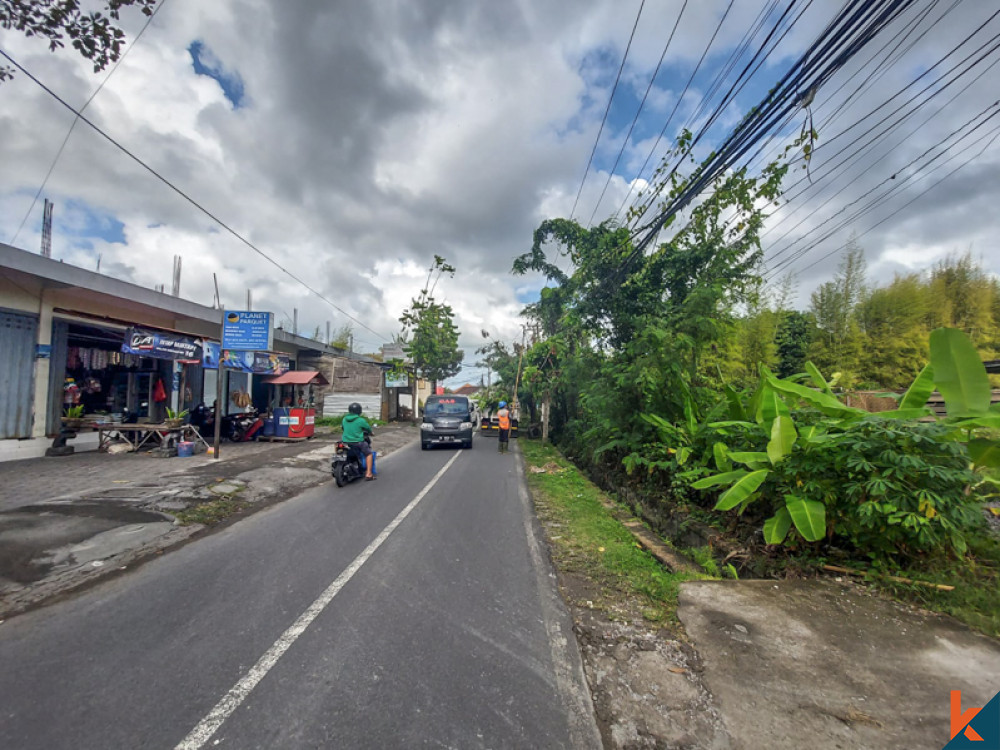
503,422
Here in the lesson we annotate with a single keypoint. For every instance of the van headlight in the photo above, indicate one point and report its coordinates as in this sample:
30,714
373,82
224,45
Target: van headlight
426,426
465,426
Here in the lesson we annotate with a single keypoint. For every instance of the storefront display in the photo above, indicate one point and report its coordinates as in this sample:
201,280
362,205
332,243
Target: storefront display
111,384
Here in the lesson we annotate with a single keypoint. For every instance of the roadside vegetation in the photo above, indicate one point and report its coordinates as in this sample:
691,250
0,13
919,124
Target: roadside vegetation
211,512
672,377
587,539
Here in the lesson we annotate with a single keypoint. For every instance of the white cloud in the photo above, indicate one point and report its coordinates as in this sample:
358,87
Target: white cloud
374,136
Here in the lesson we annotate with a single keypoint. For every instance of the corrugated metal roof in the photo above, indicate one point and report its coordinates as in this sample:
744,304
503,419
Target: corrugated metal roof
297,377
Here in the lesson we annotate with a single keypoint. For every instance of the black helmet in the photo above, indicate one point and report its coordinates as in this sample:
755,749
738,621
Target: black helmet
354,408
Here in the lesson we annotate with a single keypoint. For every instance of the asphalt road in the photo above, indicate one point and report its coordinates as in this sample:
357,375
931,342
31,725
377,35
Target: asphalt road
418,610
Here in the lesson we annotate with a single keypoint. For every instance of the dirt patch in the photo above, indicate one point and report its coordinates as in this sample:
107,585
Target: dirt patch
645,679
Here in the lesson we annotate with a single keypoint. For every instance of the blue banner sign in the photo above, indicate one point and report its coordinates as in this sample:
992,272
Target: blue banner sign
258,363
243,330
161,345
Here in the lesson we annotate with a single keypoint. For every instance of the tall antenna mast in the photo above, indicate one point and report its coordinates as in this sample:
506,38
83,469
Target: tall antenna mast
176,291
47,229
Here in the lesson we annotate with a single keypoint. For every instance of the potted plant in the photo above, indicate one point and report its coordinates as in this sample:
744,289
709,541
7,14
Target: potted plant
73,416
175,418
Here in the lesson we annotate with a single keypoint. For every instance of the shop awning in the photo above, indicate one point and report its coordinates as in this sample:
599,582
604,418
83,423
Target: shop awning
297,377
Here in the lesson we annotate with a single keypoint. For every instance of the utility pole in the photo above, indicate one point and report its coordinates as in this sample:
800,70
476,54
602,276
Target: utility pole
517,379
295,321
219,401
249,300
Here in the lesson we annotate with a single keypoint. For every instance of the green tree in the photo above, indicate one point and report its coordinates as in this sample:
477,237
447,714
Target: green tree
961,296
429,332
893,319
793,339
837,346
92,33
626,333
341,338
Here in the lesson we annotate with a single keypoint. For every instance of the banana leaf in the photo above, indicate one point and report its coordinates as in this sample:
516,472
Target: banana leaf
817,377
771,406
920,389
985,452
809,517
746,457
783,436
824,402
721,453
776,527
717,479
743,490
959,373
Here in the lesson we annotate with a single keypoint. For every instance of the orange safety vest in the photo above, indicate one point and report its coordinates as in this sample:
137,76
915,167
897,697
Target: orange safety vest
504,419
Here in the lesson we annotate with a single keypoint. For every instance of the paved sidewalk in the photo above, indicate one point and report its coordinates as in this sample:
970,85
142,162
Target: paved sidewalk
67,521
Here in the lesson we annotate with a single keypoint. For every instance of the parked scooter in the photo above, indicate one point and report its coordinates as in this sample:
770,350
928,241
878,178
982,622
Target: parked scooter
244,427
237,428
348,463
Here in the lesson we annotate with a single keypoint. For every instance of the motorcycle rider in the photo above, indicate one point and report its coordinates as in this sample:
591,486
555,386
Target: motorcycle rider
355,426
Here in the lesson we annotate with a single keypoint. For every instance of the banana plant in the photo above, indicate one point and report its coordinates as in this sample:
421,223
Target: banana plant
808,516
955,370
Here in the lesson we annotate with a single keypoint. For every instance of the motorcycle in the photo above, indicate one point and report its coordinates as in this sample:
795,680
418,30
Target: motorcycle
236,428
242,428
348,463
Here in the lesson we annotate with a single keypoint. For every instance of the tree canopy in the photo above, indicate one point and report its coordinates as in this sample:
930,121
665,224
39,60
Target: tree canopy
430,336
93,33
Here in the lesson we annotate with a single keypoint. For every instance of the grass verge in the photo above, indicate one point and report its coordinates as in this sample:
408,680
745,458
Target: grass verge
209,513
587,539
976,578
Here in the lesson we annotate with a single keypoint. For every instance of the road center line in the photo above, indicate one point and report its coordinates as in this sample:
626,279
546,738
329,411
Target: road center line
239,692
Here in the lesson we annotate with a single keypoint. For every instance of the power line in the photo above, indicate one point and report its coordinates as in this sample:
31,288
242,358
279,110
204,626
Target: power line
608,108
915,198
737,86
848,33
185,196
870,144
635,119
857,156
772,272
76,119
676,105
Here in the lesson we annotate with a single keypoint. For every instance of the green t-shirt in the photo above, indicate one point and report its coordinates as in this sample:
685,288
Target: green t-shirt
354,426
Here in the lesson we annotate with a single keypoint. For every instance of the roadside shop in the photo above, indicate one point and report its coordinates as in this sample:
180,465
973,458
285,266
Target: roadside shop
292,405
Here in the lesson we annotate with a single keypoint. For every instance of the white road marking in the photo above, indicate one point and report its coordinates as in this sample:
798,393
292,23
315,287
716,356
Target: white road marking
239,692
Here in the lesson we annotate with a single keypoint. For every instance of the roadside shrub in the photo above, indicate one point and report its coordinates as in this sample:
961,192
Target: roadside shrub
889,487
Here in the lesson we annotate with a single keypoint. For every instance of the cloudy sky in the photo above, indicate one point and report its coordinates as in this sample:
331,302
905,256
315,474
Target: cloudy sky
350,142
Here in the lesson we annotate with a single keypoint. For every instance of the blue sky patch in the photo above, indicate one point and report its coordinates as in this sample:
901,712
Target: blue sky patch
86,224
207,64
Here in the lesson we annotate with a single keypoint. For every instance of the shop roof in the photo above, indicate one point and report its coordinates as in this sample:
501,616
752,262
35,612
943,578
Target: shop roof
297,377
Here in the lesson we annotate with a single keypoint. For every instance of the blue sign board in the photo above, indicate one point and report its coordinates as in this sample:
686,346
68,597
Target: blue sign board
243,330
258,363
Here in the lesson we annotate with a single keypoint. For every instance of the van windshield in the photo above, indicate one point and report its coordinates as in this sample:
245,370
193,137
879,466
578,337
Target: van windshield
446,406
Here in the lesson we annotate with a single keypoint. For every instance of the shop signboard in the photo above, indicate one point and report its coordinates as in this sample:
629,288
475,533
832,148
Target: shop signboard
257,363
245,330
397,379
161,345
